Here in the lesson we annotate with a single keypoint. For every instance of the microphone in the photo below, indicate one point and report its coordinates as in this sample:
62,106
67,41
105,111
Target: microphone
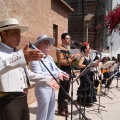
77,44
63,51
32,46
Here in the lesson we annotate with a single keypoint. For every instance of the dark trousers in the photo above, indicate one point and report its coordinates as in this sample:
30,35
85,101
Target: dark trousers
14,108
110,80
66,85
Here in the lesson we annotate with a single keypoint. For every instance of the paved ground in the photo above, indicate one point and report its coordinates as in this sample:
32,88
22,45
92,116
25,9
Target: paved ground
110,112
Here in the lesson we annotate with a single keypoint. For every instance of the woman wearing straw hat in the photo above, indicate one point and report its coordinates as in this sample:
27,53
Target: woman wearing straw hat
45,94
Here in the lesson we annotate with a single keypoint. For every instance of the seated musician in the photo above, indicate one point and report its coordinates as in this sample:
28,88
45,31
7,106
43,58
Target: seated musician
113,71
104,71
97,72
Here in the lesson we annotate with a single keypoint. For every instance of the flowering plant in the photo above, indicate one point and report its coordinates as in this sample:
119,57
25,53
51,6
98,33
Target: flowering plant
112,20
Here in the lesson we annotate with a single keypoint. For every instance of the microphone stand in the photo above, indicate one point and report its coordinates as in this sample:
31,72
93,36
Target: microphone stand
83,115
72,75
79,47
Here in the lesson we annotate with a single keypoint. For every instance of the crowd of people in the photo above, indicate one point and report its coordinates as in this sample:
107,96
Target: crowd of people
15,76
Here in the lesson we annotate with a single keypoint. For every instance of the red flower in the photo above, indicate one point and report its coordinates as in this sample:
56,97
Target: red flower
86,43
113,19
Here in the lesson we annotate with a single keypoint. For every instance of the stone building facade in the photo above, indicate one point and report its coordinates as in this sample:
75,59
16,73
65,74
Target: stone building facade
42,16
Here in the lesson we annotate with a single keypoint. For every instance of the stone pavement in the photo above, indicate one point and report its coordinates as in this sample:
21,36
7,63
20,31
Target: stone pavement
110,112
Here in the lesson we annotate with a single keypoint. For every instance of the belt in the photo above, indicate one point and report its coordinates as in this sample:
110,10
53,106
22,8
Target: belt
3,94
14,94
65,67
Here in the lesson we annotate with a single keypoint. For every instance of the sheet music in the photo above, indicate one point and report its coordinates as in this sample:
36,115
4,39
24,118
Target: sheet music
107,64
92,64
114,67
93,68
87,68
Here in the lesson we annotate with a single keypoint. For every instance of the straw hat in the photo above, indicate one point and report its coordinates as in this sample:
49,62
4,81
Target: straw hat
12,23
43,38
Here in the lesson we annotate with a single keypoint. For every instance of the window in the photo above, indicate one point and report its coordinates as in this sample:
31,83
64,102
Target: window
55,34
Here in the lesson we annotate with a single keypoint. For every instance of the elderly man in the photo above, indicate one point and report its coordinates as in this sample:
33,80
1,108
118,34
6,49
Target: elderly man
13,77
45,94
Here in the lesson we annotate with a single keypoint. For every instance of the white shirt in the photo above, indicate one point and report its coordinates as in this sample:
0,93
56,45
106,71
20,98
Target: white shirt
12,75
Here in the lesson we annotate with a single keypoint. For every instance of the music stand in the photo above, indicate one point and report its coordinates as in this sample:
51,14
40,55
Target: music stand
116,73
99,105
85,70
117,87
72,76
106,66
114,66
110,78
109,81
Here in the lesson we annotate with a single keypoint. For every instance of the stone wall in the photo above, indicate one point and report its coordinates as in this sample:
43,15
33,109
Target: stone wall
40,15
31,98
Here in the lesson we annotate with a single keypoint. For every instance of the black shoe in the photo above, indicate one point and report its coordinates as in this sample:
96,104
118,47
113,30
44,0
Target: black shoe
67,112
62,113
77,102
